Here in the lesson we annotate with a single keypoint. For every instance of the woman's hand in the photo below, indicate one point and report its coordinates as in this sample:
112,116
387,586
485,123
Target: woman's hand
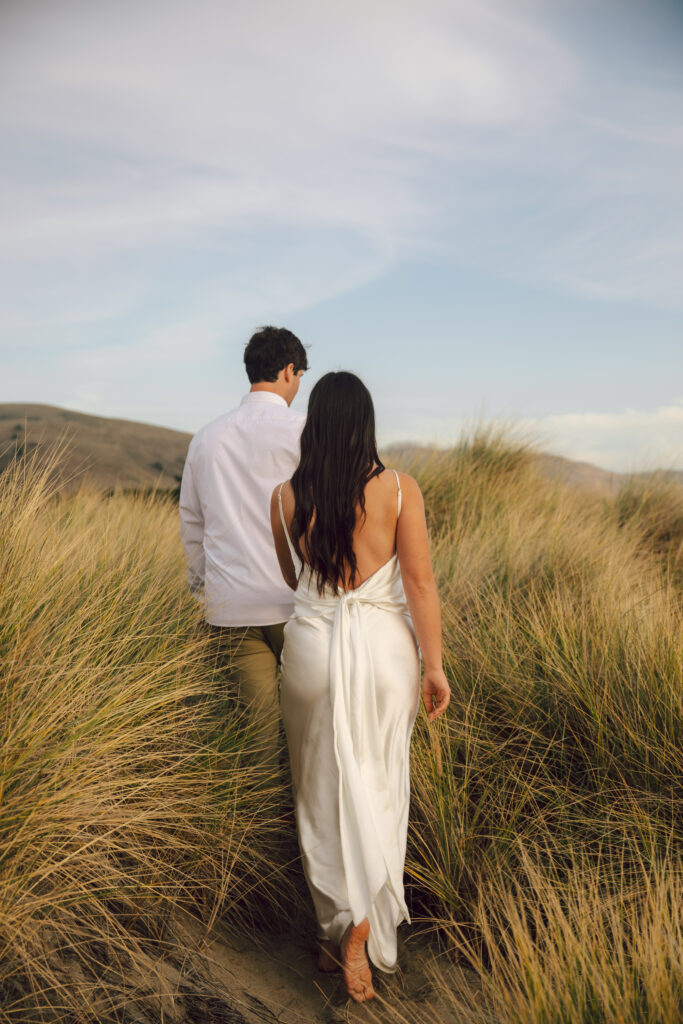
436,692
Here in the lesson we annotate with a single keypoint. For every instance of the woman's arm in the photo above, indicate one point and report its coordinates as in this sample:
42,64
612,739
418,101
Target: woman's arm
281,546
412,547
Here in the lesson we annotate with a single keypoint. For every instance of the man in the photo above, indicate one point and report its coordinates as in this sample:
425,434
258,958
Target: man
232,466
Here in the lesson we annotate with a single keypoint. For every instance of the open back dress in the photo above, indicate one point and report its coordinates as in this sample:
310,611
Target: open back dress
349,698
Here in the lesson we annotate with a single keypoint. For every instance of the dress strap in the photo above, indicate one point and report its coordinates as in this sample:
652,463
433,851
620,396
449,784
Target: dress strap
400,492
284,525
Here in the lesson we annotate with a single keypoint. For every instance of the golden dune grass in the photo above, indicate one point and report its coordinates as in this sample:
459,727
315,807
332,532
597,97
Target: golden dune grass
545,837
547,808
120,799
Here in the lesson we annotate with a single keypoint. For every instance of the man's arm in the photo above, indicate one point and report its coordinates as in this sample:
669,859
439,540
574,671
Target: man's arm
192,530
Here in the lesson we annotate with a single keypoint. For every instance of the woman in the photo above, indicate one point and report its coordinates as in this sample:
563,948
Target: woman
351,539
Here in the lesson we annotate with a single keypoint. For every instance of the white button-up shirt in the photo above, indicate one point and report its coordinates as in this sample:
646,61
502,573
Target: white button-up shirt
232,466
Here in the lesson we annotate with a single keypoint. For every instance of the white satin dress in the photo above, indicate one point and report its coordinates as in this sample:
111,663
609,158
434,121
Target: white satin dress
349,698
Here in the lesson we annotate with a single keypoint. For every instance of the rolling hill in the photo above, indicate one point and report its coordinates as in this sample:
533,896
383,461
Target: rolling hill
107,453
123,454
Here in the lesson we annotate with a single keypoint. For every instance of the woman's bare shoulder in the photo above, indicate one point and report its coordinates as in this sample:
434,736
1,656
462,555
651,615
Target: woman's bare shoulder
284,490
409,485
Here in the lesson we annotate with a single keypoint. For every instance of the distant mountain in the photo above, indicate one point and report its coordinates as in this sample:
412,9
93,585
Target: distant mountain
112,453
580,474
105,452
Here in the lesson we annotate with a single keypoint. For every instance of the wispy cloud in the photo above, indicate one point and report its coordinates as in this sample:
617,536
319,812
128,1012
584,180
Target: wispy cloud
415,126
633,440
180,173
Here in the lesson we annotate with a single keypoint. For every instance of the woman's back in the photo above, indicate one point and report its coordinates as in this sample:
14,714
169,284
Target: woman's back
374,536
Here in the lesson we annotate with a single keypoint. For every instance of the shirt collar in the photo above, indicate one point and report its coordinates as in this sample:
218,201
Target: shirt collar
263,396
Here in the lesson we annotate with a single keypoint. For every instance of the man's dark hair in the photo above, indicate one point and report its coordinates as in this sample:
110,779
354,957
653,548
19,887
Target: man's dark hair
269,351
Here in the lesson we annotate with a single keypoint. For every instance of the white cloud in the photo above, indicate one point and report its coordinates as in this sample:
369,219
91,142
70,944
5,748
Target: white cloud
633,440
454,127
177,172
225,116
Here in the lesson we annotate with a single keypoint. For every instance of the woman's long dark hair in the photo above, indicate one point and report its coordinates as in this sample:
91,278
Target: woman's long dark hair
338,457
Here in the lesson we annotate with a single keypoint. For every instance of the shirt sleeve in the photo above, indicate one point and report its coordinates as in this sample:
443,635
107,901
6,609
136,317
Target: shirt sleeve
192,529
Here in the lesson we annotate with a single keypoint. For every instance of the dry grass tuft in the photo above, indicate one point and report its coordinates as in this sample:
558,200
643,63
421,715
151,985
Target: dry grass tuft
123,796
548,807
545,839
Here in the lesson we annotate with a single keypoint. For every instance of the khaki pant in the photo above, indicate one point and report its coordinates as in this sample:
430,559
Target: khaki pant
248,658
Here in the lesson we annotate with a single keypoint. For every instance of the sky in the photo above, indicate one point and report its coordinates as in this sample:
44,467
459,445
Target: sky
475,205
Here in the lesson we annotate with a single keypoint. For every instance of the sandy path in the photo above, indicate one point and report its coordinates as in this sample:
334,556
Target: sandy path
248,984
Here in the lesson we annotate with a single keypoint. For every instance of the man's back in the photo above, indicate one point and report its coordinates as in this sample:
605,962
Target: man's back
232,466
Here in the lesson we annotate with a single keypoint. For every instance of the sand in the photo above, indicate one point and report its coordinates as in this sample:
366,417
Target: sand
276,979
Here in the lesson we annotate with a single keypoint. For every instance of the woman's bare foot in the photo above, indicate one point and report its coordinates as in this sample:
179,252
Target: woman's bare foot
355,964
329,957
